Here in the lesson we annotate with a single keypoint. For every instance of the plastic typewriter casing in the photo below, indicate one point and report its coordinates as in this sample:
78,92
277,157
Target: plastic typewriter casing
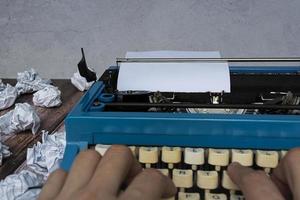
91,123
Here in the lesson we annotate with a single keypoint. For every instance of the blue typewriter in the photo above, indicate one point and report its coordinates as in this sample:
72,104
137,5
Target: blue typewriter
193,137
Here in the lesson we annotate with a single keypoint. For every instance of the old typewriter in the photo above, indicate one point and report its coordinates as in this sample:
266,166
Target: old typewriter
193,137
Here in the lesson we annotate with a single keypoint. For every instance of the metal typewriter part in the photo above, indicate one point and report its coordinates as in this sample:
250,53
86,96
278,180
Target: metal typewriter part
193,137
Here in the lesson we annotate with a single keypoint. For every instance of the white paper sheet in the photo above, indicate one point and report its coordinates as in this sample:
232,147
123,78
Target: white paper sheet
174,77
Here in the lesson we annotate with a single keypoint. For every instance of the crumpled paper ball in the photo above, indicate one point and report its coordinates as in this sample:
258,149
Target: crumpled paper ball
47,97
8,95
30,81
80,82
23,117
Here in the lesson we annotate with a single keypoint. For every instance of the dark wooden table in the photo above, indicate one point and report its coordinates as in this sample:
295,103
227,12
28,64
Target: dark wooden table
52,119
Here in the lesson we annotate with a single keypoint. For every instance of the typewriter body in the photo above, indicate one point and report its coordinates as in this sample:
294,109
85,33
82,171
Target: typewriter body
193,137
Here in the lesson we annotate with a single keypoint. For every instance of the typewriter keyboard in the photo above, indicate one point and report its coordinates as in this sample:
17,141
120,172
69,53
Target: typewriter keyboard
200,173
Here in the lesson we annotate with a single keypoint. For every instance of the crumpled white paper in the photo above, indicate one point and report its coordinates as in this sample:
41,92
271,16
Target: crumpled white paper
42,159
30,81
23,117
80,82
4,151
16,185
47,153
47,97
8,95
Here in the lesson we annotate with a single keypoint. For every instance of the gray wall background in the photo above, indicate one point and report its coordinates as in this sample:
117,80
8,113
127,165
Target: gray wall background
47,34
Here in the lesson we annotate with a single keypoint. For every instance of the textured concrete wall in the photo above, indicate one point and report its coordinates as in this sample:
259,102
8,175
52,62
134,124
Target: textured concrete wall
48,34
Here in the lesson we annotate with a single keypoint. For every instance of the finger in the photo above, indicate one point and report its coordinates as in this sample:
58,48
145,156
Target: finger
149,185
282,187
81,172
53,185
116,166
254,184
287,174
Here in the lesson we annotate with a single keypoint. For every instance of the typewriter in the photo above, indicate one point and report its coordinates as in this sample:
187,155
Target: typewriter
193,137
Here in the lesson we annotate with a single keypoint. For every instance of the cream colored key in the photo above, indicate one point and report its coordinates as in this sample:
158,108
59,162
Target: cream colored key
218,157
267,159
236,197
228,184
148,155
188,196
242,156
213,196
171,155
194,157
164,171
101,148
207,180
183,178
133,149
283,153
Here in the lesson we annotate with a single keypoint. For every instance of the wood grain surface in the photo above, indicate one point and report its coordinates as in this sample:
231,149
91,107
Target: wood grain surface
51,119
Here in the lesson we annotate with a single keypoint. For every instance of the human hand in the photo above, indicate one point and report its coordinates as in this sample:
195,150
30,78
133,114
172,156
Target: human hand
115,176
283,183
